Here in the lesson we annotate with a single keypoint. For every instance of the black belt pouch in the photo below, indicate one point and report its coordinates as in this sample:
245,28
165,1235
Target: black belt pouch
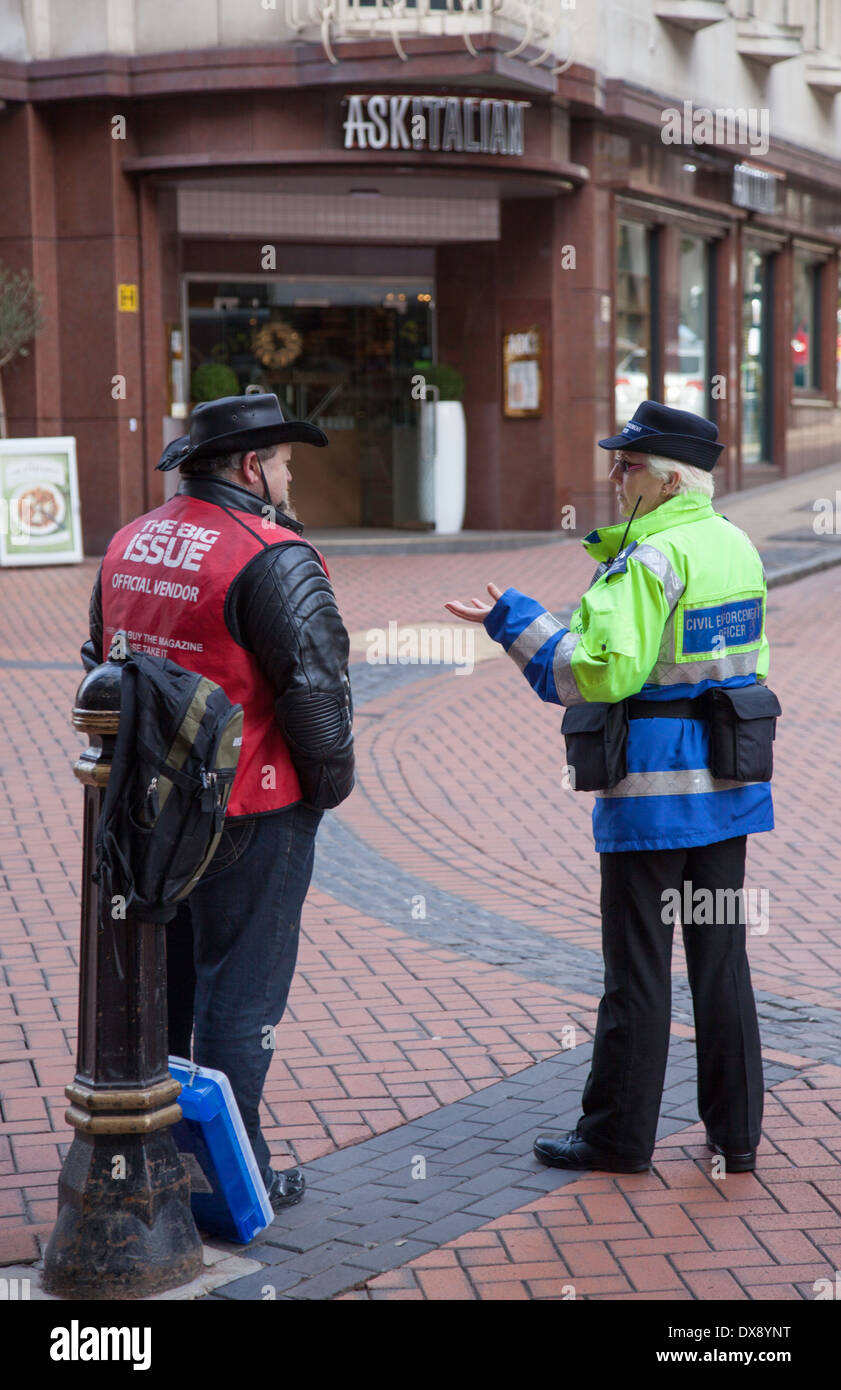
597,744
743,726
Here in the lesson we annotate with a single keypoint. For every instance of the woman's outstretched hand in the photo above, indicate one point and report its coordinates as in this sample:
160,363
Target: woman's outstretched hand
476,611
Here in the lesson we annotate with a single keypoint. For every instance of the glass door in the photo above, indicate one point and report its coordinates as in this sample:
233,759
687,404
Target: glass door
755,357
340,353
687,388
633,348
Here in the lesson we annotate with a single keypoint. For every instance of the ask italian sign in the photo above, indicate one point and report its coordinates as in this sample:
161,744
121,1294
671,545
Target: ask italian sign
463,125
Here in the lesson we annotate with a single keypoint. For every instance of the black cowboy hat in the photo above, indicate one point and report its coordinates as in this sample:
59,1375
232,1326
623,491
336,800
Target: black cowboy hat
673,434
234,423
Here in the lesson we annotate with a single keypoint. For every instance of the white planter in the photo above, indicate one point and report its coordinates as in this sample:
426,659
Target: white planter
443,464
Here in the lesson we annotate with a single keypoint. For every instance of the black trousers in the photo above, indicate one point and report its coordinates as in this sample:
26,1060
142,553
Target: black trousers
622,1095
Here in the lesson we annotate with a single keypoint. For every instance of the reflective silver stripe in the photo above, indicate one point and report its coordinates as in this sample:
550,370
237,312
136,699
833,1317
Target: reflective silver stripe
659,564
666,654
531,639
565,684
717,669
680,783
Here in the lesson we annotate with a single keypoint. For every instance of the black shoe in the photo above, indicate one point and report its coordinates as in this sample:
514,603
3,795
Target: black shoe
285,1189
572,1151
736,1163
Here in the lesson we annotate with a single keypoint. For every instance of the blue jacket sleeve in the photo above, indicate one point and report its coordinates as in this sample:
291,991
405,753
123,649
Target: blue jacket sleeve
532,638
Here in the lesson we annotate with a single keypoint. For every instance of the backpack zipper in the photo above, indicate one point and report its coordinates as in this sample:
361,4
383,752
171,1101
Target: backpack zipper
210,794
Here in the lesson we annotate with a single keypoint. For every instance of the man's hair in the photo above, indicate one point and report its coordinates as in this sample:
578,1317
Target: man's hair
222,463
690,479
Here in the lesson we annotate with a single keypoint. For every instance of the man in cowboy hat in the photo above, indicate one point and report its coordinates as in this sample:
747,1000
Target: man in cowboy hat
662,667
254,611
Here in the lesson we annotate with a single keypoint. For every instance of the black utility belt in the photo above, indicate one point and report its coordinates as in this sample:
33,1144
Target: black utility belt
743,725
668,709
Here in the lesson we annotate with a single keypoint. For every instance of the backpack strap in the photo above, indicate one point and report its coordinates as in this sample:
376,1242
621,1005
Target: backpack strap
113,874
180,779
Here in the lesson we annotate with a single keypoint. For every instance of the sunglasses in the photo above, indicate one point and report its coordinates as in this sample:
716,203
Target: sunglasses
624,465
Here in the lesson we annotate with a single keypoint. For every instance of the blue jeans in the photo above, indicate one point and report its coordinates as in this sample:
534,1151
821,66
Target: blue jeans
232,949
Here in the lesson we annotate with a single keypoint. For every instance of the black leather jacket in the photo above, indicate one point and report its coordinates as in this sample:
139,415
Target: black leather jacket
282,608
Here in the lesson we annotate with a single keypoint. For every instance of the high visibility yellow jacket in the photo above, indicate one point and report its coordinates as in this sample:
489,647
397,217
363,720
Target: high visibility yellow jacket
680,609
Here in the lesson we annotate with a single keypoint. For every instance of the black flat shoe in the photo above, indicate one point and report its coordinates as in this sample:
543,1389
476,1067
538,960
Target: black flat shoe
285,1189
571,1151
736,1163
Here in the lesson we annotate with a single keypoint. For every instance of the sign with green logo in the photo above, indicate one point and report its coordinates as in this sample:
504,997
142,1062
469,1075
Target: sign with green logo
39,502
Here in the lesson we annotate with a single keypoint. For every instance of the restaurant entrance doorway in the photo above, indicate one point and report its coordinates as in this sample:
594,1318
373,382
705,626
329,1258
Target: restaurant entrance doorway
341,352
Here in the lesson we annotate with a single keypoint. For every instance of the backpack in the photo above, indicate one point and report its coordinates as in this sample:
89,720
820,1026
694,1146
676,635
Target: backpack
175,758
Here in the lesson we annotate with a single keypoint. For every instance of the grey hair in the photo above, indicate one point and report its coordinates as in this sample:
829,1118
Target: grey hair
689,479
223,463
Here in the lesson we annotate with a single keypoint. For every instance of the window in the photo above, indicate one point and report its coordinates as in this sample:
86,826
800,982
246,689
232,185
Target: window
687,387
806,323
756,365
342,351
633,347
838,340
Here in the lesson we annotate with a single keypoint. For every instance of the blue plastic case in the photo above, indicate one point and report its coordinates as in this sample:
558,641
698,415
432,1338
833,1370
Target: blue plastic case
228,1195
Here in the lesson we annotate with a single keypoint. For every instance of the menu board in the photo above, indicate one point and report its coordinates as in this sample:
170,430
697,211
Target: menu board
39,502
521,364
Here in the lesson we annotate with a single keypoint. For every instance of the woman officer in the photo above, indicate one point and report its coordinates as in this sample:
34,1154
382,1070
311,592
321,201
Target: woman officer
662,669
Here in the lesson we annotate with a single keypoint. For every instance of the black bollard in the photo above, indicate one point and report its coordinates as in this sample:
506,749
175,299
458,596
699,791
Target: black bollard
124,1227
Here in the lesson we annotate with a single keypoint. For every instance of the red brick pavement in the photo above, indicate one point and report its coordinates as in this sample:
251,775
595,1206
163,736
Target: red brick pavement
456,786
675,1233
379,1030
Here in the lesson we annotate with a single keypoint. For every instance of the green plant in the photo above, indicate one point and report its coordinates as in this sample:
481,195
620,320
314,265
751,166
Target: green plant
20,319
212,380
449,380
